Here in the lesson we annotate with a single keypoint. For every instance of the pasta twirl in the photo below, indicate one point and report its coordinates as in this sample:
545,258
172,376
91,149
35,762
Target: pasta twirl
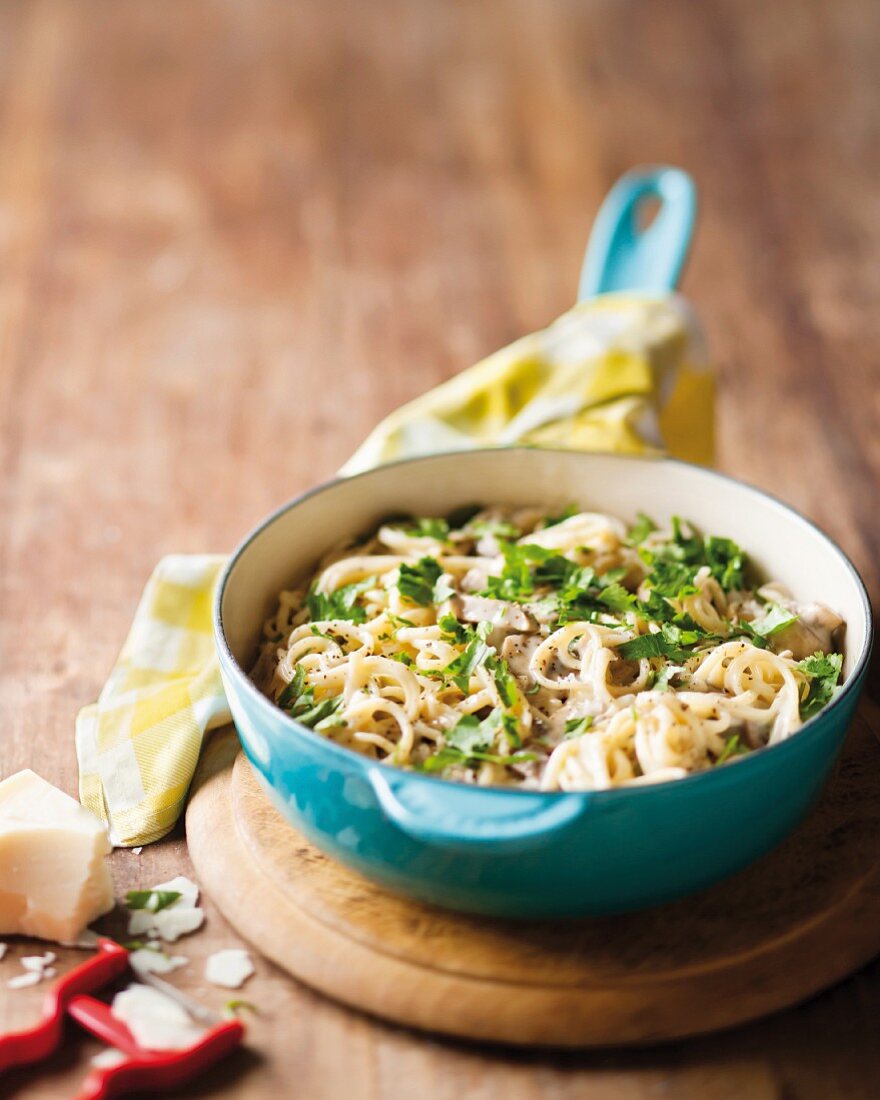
564,652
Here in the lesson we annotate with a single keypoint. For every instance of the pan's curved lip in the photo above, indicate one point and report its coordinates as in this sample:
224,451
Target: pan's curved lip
266,707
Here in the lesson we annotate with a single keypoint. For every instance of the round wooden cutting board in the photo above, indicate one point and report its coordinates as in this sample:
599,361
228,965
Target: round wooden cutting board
800,919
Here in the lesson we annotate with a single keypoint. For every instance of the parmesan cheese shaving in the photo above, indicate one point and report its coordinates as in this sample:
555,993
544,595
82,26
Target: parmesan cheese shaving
155,1021
178,919
146,961
230,968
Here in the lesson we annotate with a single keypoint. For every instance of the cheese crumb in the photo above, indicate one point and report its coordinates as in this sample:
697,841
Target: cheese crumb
230,968
178,919
147,961
20,981
156,1021
38,962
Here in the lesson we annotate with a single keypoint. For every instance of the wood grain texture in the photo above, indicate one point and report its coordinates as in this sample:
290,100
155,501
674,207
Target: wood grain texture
799,920
225,224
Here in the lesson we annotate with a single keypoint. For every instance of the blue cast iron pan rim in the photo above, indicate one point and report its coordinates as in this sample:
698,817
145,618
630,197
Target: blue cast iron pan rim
710,775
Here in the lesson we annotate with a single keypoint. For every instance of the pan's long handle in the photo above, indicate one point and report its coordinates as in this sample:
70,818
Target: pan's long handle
622,254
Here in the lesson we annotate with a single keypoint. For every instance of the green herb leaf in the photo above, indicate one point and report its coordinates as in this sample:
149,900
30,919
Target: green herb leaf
500,529
341,604
657,644
516,581
567,512
470,735
453,629
576,727
640,530
442,759
294,689
504,681
232,1008
428,527
510,729
416,582
616,598
726,560
824,671
732,747
398,620
442,591
299,702
316,716
663,677
152,900
475,654
774,618
446,757
675,562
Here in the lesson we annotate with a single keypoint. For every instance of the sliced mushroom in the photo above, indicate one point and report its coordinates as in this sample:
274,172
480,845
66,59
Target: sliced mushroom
813,632
817,629
476,579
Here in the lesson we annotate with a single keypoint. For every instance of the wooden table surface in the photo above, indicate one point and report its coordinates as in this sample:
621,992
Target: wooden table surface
234,234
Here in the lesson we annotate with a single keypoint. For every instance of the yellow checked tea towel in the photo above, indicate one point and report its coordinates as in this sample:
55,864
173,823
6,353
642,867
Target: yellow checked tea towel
620,372
139,744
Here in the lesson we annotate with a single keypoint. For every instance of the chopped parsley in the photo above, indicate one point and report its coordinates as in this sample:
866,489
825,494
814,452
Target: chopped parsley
823,670
576,727
566,513
504,681
640,530
579,593
475,653
416,582
731,748
516,581
341,604
299,702
427,527
500,529
469,734
675,563
667,642
152,900
453,629
510,729
775,618
447,757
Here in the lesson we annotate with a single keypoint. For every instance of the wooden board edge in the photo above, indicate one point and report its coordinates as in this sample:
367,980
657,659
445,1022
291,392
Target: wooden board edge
405,993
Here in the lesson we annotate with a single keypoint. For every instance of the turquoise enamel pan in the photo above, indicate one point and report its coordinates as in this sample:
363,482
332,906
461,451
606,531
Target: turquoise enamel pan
513,853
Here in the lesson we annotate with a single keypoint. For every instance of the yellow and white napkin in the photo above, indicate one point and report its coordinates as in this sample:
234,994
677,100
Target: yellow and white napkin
621,372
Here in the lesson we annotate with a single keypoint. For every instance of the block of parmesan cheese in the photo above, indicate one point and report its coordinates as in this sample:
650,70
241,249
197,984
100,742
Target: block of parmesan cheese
54,877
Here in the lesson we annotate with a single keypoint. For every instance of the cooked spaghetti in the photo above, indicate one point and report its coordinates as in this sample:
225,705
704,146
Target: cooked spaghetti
568,652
